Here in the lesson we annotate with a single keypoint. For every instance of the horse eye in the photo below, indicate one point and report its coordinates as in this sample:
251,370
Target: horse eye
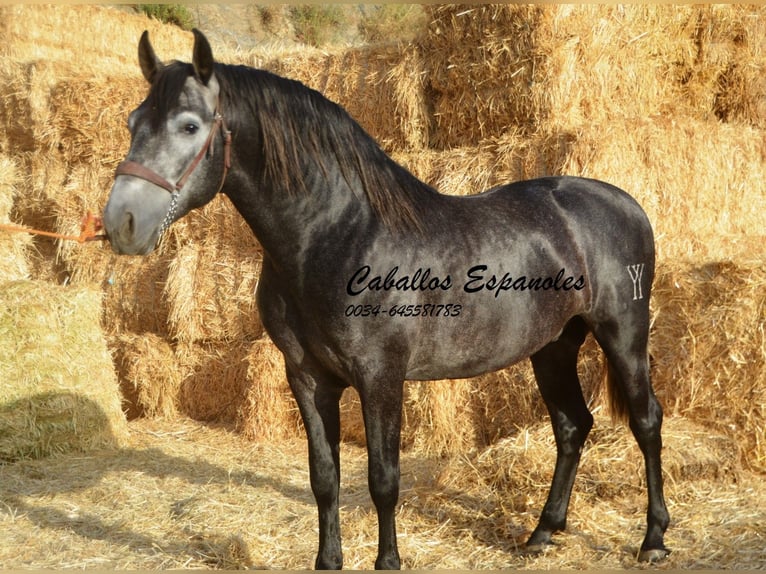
191,129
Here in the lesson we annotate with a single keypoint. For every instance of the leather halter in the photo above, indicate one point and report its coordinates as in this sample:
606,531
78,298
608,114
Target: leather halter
135,169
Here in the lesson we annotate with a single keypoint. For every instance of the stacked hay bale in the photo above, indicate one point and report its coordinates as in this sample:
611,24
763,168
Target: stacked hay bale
492,68
13,247
170,316
59,391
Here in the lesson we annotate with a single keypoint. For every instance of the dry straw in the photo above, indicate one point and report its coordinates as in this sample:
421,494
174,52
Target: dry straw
703,205
212,277
148,373
494,68
481,64
182,495
214,380
269,412
708,349
42,33
698,181
13,247
59,392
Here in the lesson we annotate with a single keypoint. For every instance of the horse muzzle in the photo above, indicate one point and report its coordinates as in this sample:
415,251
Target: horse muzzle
135,216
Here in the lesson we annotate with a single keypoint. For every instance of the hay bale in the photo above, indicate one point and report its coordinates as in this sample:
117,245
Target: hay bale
495,68
269,411
54,197
726,73
471,169
13,246
214,380
148,375
212,277
16,135
87,117
703,206
59,390
612,62
382,87
34,33
481,64
708,348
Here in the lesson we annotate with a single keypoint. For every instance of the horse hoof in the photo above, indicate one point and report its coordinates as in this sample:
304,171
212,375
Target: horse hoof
653,555
537,548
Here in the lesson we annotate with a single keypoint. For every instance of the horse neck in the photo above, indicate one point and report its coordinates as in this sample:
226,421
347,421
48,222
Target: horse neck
317,191
288,223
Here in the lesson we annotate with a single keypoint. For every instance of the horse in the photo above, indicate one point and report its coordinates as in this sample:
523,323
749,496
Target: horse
371,277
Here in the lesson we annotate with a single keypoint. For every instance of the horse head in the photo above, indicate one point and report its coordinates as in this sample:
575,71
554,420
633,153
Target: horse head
173,164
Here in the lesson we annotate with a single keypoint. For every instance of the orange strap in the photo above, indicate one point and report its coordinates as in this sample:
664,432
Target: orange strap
89,229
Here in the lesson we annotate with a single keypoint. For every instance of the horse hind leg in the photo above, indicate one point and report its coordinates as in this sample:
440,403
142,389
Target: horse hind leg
555,368
625,345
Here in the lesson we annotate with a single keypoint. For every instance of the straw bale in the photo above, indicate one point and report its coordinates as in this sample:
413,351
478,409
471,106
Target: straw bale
727,73
382,87
481,65
15,114
134,298
467,170
59,390
708,348
13,246
214,380
148,374
269,411
48,33
612,62
493,68
704,62
87,117
213,275
54,197
702,205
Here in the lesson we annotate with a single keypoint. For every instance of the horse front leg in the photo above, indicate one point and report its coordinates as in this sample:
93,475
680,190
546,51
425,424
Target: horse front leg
382,411
318,399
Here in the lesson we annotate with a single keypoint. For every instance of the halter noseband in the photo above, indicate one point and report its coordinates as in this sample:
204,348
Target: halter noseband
135,169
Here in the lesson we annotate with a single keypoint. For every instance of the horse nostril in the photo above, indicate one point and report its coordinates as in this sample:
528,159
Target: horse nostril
127,228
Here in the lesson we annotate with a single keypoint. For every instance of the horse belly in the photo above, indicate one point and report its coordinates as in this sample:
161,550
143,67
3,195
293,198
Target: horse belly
493,338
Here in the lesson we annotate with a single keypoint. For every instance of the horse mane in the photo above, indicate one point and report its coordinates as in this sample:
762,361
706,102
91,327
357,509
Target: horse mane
298,122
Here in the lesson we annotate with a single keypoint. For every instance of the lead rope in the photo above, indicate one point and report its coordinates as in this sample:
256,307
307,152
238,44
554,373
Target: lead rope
89,228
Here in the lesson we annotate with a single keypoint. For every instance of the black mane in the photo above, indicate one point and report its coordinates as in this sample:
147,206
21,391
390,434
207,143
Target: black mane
297,122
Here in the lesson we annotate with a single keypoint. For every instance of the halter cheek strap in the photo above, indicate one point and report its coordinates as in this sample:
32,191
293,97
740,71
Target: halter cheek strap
135,169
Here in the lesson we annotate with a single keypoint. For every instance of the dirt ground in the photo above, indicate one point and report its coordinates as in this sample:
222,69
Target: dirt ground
186,495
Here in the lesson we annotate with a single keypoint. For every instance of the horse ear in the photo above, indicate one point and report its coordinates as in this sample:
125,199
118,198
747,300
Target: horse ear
203,57
150,63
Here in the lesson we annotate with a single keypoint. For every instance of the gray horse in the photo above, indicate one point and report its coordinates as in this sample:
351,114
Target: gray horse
371,277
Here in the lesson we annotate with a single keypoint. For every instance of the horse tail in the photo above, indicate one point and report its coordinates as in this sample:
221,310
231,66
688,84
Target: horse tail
618,401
